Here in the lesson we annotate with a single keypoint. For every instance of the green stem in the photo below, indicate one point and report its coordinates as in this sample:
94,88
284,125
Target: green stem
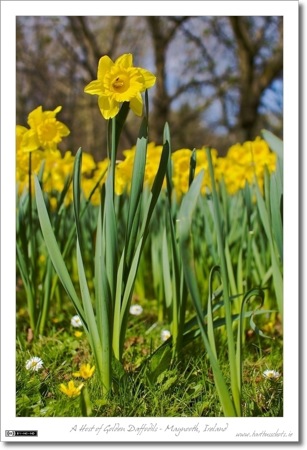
46,300
32,307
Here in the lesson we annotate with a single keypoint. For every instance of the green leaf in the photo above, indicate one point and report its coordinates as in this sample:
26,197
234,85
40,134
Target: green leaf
166,265
103,303
185,219
159,363
192,166
93,333
77,192
137,180
276,218
274,142
277,275
54,251
120,120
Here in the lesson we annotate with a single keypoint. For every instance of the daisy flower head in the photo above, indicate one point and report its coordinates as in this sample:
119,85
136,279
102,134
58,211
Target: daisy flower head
271,374
165,335
119,82
34,364
136,310
76,321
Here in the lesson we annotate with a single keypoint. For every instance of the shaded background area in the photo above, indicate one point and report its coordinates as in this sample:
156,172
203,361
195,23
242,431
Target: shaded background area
219,79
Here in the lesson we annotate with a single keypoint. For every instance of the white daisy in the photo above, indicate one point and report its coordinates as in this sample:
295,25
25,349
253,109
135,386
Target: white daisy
76,322
165,334
271,374
34,364
136,310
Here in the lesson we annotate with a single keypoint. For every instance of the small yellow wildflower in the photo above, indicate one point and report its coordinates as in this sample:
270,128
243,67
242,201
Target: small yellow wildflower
71,390
85,371
78,334
119,82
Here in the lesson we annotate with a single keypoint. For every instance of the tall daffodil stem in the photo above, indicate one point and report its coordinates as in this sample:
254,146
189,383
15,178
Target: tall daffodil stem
32,262
235,381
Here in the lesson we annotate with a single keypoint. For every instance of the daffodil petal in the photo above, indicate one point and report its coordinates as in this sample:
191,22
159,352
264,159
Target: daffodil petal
124,61
108,108
149,78
105,64
29,141
136,104
63,129
94,88
35,117
57,110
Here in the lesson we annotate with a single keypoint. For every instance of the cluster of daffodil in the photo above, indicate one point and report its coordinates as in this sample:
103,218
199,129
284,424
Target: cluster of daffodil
243,163
56,167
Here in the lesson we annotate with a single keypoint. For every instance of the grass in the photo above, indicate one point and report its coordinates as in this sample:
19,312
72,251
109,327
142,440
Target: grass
145,388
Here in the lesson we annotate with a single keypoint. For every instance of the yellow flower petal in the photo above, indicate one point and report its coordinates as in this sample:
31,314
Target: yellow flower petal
57,110
105,64
63,129
149,78
94,88
29,141
71,390
136,104
124,60
35,117
85,372
108,108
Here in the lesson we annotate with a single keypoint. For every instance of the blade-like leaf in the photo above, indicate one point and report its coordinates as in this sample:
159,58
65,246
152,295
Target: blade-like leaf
185,220
274,142
54,251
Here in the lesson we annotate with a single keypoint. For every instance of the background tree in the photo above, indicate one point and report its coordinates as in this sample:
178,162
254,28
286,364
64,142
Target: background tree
219,79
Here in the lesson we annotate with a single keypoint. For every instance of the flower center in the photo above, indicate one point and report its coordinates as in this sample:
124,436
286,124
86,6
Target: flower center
120,83
48,130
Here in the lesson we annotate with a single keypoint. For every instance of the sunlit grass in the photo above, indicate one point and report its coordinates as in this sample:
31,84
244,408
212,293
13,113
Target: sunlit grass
185,388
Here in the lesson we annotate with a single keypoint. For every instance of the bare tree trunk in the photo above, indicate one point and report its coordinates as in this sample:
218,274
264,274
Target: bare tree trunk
161,101
252,84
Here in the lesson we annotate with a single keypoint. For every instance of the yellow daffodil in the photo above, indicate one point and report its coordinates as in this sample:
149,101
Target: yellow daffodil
245,163
45,132
119,82
85,371
71,390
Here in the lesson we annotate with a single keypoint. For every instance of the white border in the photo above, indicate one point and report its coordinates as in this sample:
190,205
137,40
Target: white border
59,429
